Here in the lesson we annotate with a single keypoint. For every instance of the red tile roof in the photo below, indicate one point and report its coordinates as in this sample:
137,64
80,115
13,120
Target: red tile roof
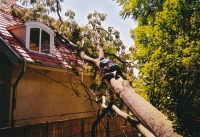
58,59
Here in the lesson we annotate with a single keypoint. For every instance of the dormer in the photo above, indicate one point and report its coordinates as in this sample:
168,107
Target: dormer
36,36
39,37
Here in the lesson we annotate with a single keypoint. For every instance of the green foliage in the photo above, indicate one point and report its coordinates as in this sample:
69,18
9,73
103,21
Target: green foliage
51,5
143,11
167,51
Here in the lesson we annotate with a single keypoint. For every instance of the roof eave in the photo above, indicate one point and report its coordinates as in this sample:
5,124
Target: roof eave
57,69
16,26
9,52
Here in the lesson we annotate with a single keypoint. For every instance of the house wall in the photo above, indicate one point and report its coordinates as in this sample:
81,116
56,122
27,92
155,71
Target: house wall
39,95
5,84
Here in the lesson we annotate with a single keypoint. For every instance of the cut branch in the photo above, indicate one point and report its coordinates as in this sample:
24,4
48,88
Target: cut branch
127,117
87,58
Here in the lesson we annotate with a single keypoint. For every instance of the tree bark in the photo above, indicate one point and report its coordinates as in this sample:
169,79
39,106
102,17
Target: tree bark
150,117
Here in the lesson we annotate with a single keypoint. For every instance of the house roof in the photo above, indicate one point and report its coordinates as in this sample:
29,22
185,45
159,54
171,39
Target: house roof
62,57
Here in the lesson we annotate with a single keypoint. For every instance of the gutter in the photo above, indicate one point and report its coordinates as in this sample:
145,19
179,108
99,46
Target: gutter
14,95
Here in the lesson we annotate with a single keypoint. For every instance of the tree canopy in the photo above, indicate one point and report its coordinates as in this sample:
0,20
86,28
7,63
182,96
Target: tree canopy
143,11
167,49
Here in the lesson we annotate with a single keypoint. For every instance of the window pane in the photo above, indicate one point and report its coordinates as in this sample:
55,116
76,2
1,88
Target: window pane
34,39
45,42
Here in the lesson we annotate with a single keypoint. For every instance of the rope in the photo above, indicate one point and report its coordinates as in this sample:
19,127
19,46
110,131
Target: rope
83,60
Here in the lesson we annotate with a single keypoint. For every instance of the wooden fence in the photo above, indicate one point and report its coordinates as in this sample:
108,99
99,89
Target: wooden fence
81,127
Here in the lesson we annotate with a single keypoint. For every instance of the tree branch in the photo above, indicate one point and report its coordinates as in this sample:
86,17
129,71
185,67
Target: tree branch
131,120
57,10
118,58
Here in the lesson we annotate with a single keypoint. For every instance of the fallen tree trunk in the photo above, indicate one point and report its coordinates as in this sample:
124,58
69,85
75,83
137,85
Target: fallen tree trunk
147,114
150,117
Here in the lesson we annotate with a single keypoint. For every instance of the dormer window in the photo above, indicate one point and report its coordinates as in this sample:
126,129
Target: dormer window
39,40
39,37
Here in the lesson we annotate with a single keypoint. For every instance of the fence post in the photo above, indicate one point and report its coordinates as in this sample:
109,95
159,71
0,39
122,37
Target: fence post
107,129
46,128
82,128
25,130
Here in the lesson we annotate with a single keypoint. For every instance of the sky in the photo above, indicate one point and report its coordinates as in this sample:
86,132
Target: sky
83,7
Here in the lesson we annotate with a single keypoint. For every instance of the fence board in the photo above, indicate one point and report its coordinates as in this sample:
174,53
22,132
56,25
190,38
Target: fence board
80,127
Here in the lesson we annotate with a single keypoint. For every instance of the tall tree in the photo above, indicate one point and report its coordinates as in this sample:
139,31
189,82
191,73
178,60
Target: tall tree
167,50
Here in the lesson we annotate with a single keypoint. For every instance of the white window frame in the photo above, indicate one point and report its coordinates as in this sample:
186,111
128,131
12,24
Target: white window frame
41,26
